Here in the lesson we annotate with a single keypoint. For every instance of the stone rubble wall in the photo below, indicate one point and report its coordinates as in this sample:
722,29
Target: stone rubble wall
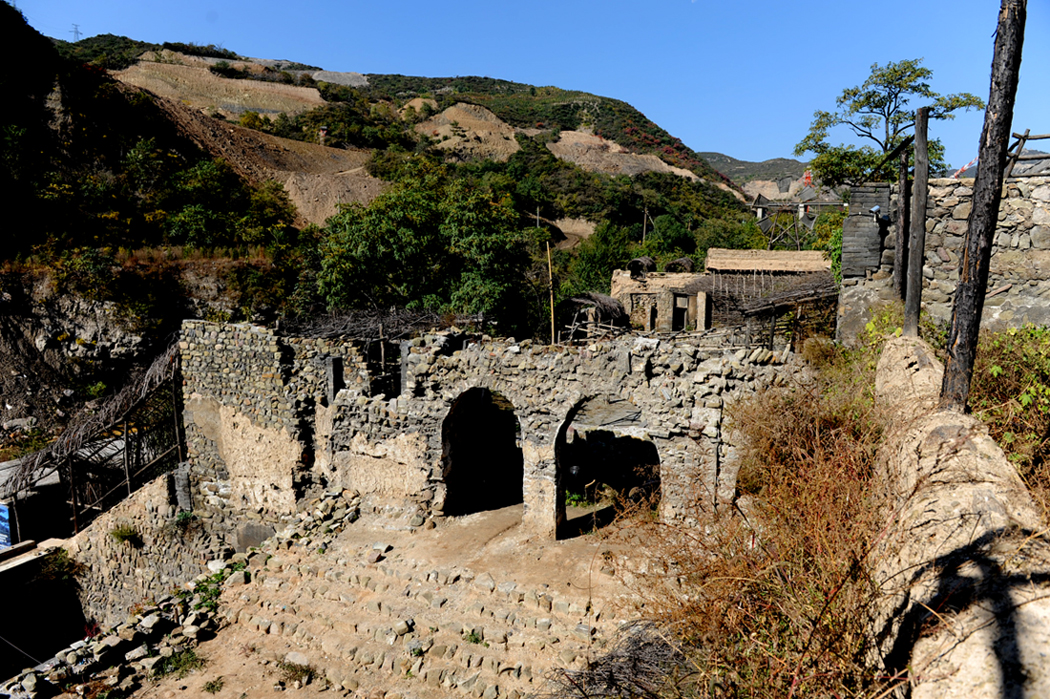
1019,276
962,566
259,424
120,574
250,396
395,445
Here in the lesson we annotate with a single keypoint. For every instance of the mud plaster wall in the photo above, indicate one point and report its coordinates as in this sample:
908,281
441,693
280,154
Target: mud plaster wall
962,562
1019,274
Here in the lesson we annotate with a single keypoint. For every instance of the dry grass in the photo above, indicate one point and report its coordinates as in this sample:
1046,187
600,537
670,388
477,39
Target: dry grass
772,599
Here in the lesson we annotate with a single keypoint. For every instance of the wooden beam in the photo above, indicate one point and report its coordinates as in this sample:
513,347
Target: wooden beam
900,255
917,248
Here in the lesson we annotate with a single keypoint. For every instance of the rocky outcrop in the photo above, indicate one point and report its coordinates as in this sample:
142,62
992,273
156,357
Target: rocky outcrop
963,566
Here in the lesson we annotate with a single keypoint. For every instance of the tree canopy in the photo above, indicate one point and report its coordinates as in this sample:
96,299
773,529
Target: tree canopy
878,111
428,242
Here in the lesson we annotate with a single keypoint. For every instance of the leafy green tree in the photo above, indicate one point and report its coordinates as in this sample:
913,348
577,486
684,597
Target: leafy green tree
878,111
608,248
428,242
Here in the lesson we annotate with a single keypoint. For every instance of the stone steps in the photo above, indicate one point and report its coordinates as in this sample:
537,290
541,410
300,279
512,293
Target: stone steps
411,630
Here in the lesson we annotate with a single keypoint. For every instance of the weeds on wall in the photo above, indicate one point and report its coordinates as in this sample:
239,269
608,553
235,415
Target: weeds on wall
59,568
127,534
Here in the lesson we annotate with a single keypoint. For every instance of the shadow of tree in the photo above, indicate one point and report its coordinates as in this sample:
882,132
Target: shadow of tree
970,575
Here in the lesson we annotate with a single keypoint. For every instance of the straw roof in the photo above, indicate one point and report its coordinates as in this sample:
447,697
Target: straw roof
723,260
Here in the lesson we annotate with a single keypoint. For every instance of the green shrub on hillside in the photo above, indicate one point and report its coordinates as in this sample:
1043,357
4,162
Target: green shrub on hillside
1010,392
107,51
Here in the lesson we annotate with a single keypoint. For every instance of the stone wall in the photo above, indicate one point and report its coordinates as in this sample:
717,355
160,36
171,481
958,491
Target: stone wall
160,557
862,235
1019,277
250,399
262,421
396,447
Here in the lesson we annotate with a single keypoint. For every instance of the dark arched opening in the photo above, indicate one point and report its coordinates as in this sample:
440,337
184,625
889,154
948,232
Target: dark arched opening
481,455
602,468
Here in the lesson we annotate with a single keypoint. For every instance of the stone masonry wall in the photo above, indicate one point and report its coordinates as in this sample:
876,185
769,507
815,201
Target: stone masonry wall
250,398
1019,278
395,446
262,423
121,574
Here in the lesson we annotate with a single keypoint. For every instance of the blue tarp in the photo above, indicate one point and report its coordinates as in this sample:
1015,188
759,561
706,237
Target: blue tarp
5,527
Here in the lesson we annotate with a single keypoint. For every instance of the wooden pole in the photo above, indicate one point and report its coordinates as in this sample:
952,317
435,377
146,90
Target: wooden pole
550,286
175,412
18,522
987,193
73,492
127,456
1019,155
917,247
382,352
900,264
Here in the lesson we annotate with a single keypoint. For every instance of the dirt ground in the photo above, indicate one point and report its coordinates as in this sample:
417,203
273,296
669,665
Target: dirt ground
198,87
471,132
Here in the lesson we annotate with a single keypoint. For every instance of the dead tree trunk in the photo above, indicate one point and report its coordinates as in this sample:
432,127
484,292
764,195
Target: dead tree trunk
900,262
917,244
987,192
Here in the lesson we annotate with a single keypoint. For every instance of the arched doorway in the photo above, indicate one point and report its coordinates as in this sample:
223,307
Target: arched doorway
481,454
605,463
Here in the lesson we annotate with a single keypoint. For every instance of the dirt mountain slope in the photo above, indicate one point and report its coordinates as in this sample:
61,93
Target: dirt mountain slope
198,87
597,154
471,132
316,178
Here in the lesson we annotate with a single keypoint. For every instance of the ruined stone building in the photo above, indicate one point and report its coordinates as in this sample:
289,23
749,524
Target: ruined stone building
678,301
471,424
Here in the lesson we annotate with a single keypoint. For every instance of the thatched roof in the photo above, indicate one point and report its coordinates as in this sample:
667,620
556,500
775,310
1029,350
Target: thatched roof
641,265
682,264
609,309
723,260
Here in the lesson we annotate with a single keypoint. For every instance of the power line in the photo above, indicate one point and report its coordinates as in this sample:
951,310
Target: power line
75,31
19,650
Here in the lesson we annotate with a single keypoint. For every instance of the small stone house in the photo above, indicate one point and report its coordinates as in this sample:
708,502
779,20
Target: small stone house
660,301
675,301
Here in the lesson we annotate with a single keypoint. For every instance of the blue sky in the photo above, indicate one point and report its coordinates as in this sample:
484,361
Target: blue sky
740,78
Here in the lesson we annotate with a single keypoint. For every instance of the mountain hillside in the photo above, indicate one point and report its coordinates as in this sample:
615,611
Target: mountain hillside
743,171
162,182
